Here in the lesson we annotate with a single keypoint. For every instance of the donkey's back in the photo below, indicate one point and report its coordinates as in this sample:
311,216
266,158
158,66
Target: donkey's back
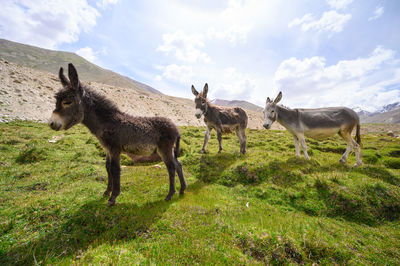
232,116
329,117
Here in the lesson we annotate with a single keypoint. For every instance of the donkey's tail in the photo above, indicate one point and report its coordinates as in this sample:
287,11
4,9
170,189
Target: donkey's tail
176,151
358,135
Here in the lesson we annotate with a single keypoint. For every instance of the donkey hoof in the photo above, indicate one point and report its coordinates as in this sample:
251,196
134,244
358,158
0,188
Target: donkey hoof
106,193
111,203
168,197
181,192
219,151
342,161
357,164
202,151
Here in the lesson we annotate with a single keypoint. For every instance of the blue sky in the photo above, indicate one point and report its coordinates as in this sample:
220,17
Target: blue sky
318,53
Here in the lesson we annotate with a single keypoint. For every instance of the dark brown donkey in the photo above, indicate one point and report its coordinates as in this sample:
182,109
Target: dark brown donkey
117,132
223,120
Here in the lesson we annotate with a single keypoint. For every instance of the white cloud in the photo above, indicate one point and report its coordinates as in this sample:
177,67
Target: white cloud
232,34
104,3
87,53
358,82
232,84
173,72
46,23
339,4
330,21
378,12
185,47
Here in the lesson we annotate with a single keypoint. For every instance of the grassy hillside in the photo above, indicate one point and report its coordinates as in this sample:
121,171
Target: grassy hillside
264,207
51,61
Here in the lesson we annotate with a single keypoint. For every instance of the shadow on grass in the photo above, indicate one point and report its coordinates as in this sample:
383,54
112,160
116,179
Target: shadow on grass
92,225
211,166
371,205
374,205
376,172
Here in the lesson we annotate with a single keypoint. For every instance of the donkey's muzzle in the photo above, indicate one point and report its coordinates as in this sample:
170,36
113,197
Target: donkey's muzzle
55,126
198,113
267,126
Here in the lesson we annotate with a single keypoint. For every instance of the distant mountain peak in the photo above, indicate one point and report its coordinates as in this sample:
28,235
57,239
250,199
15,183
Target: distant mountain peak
237,103
389,107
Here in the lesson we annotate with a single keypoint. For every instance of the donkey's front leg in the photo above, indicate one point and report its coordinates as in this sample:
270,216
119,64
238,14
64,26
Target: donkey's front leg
109,177
296,145
115,171
303,145
219,137
206,138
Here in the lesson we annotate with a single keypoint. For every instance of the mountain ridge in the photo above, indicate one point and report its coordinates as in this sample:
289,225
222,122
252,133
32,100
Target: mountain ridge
389,113
237,103
51,60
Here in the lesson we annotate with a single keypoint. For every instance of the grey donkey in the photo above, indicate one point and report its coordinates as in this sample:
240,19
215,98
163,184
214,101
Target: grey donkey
117,131
316,123
223,120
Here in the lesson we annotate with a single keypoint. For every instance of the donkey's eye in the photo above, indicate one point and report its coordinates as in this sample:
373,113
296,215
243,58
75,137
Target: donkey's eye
66,103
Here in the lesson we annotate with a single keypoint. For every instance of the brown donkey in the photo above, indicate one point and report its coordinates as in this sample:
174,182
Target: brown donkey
223,120
117,132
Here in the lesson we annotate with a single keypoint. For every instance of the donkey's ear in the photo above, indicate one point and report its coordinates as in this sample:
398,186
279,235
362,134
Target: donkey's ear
73,76
194,91
268,100
205,90
278,98
63,79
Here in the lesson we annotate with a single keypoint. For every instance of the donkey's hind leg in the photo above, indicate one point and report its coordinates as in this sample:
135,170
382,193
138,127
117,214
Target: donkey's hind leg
347,137
109,177
219,137
167,156
171,172
115,171
241,133
178,167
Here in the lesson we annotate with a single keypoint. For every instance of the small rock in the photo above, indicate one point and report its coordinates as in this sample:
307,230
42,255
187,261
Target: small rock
157,166
390,133
56,138
100,178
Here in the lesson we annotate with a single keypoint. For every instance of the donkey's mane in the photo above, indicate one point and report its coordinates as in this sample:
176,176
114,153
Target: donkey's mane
98,102
285,107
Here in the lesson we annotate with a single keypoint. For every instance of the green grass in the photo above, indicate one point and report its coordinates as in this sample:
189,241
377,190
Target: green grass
264,207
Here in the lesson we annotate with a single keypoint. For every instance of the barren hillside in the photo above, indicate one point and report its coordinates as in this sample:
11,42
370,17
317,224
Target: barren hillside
28,94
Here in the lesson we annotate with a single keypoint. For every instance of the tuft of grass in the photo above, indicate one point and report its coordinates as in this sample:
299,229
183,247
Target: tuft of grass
31,154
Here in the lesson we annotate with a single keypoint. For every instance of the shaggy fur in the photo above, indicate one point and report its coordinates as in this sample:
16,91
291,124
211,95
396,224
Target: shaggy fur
223,120
117,131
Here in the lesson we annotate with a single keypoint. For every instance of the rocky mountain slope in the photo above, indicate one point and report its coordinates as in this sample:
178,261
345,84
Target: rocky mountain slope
389,113
243,104
28,94
50,61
